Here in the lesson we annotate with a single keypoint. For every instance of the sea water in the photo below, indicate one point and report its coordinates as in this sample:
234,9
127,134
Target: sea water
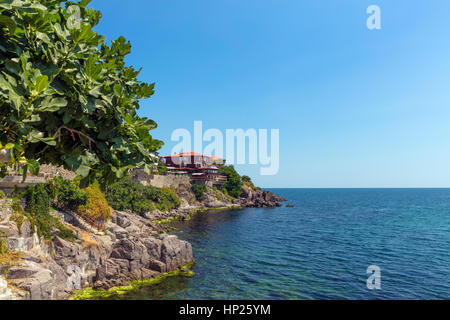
320,249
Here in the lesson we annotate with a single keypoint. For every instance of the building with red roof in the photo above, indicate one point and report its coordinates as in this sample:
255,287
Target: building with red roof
201,168
191,160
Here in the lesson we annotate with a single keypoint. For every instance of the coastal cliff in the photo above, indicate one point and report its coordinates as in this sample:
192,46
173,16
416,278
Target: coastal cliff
131,247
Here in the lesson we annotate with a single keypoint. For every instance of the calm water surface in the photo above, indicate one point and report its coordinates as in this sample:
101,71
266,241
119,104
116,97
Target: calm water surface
320,249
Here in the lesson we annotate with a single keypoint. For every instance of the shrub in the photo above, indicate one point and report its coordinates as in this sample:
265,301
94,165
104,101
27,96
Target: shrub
199,191
38,201
163,199
168,200
162,168
68,195
142,206
96,206
150,193
233,185
126,194
216,193
122,194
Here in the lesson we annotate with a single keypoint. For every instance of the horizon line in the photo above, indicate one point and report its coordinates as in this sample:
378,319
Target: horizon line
356,187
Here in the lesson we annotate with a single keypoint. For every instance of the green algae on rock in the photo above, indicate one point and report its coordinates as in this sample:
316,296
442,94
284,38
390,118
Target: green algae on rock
117,292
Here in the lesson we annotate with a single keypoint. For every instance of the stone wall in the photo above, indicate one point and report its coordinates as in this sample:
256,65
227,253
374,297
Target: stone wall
169,181
7,183
46,172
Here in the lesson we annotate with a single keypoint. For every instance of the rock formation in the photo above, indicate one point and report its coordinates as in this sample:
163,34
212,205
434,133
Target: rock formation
130,250
259,198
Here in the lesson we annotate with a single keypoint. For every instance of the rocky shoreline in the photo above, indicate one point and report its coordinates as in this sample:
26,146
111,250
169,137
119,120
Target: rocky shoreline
131,248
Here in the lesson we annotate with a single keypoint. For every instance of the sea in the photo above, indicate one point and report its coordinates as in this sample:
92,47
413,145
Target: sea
333,244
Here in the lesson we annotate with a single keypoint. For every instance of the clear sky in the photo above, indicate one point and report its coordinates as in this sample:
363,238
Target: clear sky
355,107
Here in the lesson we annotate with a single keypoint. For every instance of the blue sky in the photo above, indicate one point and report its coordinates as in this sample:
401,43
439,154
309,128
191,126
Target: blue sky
355,107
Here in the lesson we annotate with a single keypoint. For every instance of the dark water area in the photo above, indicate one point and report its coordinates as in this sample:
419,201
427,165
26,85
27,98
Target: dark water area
320,249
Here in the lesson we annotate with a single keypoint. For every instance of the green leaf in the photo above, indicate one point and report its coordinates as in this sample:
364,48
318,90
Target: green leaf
36,136
41,83
53,105
12,66
78,164
52,77
9,23
33,166
92,69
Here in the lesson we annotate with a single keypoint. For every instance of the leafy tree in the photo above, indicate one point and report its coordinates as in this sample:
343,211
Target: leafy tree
246,179
233,185
66,97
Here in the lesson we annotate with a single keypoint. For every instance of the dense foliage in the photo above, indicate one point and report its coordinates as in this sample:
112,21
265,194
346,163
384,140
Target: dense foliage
162,168
68,195
233,185
39,199
66,97
199,192
62,194
126,194
97,207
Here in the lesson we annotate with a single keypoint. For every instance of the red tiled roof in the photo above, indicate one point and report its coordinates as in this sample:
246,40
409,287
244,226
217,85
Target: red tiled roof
186,154
192,154
216,158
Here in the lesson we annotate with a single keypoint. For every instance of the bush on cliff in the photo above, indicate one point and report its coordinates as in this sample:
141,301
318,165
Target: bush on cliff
67,194
164,199
127,194
96,206
199,192
39,199
247,181
233,186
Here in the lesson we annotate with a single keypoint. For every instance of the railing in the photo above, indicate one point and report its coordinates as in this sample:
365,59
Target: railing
210,177
177,173
98,224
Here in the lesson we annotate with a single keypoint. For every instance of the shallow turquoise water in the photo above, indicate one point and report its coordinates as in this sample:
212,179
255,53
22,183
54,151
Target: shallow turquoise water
321,248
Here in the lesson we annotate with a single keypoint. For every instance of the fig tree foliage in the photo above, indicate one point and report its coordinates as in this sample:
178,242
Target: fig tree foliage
66,97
